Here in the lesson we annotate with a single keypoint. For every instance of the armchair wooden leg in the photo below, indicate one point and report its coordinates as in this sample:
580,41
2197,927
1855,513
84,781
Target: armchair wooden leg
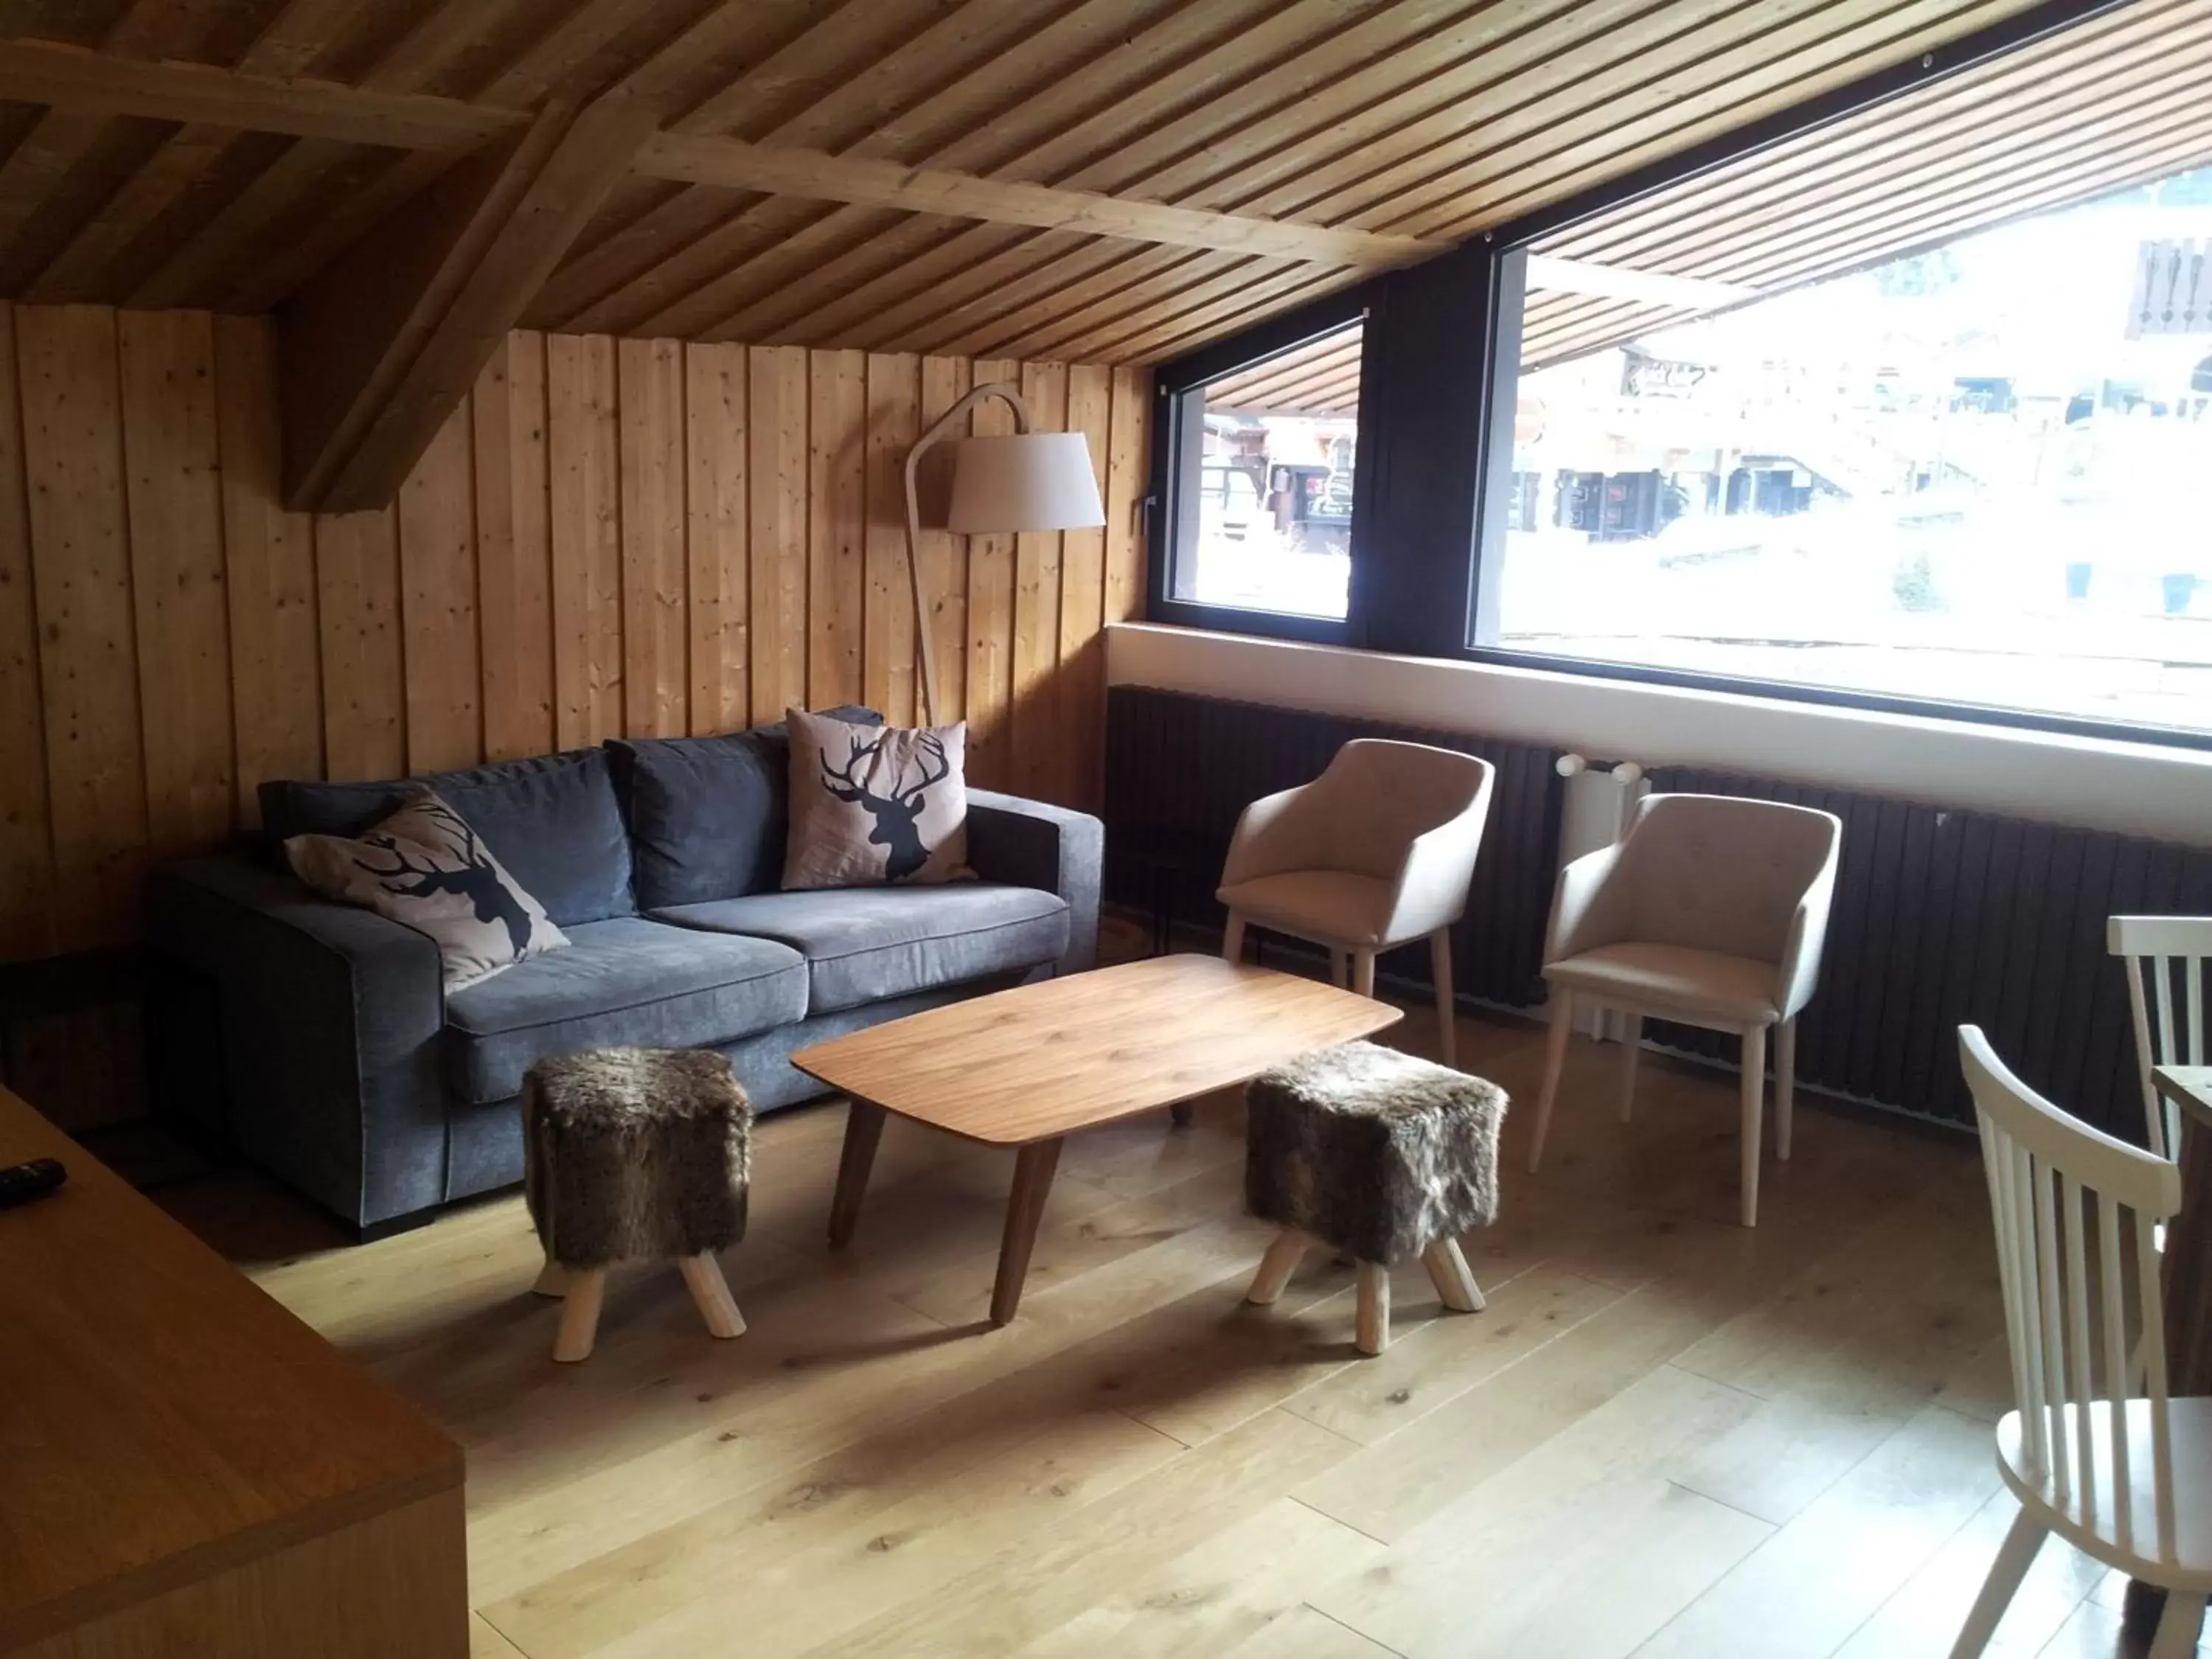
1276,1266
1785,1085
1232,938
1448,1272
1440,969
1754,1099
552,1280
1555,1059
1374,1308
1631,1050
1362,972
579,1316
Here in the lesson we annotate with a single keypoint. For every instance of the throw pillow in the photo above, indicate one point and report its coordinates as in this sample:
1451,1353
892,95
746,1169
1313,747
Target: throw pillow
423,867
874,804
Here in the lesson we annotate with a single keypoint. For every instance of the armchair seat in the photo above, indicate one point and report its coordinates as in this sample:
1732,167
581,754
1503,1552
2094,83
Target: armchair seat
1708,984
1375,852
1334,905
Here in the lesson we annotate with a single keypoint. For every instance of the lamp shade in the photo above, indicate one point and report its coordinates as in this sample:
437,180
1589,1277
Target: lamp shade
1037,481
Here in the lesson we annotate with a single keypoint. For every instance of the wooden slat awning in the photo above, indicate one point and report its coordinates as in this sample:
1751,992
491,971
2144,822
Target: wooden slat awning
1319,378
2120,100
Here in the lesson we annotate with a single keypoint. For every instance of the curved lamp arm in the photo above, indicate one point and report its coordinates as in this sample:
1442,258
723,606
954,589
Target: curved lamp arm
938,428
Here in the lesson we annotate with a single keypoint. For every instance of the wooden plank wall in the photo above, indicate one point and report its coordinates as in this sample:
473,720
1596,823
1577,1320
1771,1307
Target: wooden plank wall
610,537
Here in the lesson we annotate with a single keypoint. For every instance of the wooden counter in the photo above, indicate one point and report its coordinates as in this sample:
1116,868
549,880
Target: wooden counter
187,1470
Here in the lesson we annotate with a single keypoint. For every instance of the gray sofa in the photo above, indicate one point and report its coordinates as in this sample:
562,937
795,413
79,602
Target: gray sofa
317,1038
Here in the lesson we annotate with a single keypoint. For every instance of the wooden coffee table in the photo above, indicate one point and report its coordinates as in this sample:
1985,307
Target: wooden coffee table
1027,1067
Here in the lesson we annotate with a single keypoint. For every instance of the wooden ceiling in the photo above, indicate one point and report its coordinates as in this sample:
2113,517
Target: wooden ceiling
2119,101
1112,180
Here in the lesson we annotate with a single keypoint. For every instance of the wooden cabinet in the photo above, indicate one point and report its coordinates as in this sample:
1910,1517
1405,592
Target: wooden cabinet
187,1470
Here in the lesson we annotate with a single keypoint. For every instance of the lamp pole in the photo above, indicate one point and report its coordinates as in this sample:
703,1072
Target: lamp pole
943,424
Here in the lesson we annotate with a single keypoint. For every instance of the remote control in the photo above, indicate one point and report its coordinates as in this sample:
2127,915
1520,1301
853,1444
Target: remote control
25,1182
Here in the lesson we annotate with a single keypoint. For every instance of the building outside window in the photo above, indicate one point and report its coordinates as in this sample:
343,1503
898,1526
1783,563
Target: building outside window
1980,474
1273,526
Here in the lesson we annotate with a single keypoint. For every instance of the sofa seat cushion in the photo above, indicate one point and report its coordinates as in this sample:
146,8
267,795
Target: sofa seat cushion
627,983
863,944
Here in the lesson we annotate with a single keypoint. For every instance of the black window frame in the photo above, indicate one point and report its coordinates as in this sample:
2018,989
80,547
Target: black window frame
1420,552
1178,428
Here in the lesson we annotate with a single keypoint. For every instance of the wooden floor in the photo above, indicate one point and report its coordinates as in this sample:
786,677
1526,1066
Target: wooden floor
1666,1436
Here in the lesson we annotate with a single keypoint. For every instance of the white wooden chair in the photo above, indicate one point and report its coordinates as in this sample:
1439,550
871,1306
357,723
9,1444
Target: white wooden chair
1710,911
2126,1479
1375,852
2154,950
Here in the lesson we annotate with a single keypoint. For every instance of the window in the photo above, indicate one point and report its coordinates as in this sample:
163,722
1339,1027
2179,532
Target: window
1978,474
1266,483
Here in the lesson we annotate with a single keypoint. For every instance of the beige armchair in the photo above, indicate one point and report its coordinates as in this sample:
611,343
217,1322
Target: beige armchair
1375,852
1710,911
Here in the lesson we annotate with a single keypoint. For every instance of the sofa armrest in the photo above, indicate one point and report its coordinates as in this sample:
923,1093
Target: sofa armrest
1030,844
331,1020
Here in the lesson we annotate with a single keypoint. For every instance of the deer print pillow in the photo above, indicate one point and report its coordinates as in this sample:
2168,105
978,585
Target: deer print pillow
423,867
874,804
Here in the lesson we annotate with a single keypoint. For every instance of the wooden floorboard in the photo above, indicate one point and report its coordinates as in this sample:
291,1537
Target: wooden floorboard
1665,1437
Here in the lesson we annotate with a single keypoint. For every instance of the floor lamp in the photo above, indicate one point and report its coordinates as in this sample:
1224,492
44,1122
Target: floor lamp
1029,481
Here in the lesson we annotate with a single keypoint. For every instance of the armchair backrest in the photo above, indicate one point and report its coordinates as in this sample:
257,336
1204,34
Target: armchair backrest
1714,872
1377,796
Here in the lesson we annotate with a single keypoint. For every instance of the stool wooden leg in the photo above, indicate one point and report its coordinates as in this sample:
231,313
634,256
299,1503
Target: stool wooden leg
552,1280
579,1315
710,1291
1340,970
1276,1267
1374,1308
1232,938
1362,972
1448,1271
1447,1009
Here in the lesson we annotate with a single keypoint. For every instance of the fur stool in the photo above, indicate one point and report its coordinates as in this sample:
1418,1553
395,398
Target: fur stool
634,1154
1376,1155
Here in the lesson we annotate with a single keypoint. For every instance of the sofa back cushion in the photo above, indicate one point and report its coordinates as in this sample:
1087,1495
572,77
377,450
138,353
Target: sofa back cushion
708,815
552,820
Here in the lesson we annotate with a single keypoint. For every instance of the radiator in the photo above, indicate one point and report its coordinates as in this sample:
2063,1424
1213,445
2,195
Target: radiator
1180,769
1945,918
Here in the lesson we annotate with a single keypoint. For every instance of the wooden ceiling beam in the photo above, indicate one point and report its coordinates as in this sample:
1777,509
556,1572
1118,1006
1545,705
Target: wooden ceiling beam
95,83
70,78
377,351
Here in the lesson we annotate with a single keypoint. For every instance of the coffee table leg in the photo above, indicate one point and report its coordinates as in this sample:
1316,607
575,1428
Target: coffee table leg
1033,1169
864,1128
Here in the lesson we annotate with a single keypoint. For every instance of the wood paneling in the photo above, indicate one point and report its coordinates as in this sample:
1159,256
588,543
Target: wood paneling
67,364
716,506
583,443
175,525
26,845
268,559
514,566
438,603
608,537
